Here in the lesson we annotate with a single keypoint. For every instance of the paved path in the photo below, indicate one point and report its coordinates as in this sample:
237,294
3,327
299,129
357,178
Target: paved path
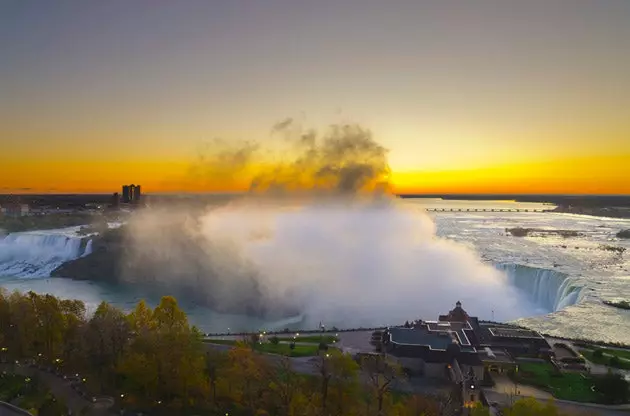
504,385
7,409
596,369
59,387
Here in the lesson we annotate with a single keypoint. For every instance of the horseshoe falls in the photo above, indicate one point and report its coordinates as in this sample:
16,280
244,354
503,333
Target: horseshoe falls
549,289
566,279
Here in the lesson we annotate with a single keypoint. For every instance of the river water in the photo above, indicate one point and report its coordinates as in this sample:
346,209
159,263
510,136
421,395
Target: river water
565,278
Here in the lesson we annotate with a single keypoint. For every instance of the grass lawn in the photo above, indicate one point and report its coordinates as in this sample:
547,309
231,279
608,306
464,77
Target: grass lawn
604,360
221,341
284,349
565,386
315,339
619,353
281,349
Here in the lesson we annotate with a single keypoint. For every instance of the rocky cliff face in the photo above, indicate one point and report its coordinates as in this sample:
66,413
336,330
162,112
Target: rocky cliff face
182,269
103,264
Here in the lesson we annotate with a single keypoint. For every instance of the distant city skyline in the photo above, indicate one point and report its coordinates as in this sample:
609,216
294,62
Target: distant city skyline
469,97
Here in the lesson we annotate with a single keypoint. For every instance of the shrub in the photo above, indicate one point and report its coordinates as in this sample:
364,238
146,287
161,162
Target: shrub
598,353
614,361
274,340
323,346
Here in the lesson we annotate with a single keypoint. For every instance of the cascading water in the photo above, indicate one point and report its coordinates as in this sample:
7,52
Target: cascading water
88,249
38,253
550,289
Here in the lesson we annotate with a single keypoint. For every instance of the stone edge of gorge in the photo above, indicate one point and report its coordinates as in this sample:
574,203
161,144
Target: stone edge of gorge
16,409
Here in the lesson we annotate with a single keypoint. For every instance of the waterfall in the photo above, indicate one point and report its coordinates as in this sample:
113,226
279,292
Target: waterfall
38,253
548,288
88,249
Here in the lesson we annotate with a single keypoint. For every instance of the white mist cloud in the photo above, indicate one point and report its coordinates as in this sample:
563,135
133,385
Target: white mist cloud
355,263
336,258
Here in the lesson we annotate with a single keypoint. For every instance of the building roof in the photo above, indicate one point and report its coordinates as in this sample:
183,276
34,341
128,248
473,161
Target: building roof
504,332
496,356
458,314
421,337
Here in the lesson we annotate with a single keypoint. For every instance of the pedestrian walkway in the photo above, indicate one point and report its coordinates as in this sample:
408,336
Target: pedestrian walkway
59,387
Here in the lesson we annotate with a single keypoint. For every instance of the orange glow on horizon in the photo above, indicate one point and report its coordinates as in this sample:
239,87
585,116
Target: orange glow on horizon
594,175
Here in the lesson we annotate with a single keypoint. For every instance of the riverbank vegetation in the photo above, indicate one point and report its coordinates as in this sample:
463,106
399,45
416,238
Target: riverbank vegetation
608,389
623,304
598,356
270,347
153,361
28,393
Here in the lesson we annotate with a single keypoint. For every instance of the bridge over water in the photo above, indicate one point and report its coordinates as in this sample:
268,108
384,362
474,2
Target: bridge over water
484,210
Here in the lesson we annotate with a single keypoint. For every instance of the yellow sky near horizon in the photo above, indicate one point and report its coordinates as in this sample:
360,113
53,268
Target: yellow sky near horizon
585,175
469,97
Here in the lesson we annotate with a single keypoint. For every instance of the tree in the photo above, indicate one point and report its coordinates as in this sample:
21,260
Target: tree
23,337
171,352
613,387
418,405
343,380
532,407
274,340
598,353
479,410
215,361
381,372
285,384
50,326
74,322
107,334
246,373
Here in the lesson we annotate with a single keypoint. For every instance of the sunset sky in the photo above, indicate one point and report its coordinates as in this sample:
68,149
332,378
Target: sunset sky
469,96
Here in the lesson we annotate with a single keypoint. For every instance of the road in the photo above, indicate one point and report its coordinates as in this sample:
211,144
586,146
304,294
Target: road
7,409
596,369
59,387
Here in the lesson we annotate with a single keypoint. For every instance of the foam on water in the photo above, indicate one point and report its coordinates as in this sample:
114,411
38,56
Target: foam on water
38,253
549,289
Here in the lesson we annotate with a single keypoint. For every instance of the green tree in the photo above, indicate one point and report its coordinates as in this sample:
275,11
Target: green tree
284,385
613,388
532,407
23,338
216,362
344,381
107,334
479,410
381,373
